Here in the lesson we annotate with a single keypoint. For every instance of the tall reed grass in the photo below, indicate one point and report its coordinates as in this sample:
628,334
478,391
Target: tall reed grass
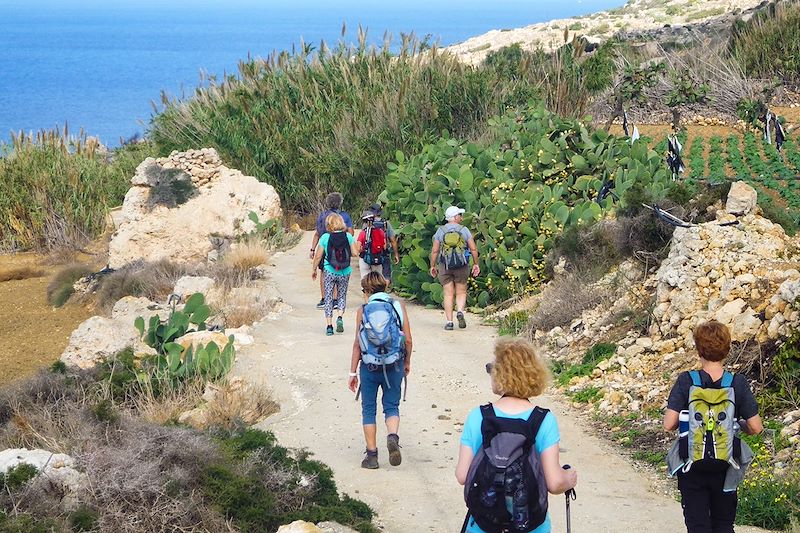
55,188
768,45
311,122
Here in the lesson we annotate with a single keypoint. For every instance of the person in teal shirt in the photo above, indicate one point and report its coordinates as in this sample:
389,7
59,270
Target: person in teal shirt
517,374
335,278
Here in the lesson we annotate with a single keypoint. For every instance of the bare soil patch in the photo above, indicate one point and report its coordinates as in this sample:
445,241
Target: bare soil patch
34,334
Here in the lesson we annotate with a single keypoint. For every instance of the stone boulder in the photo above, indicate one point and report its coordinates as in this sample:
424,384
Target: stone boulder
299,526
742,199
188,285
57,472
99,338
185,206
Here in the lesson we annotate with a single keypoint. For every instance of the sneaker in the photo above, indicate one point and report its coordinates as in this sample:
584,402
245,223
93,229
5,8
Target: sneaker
461,322
329,331
339,325
336,305
370,461
448,326
393,444
321,304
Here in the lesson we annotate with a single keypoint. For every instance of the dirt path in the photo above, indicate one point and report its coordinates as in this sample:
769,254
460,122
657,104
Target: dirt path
308,372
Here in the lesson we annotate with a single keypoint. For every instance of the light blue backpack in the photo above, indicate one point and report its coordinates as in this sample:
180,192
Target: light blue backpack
381,334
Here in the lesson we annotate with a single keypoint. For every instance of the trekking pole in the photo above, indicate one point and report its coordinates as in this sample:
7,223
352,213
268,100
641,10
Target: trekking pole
358,391
405,387
570,494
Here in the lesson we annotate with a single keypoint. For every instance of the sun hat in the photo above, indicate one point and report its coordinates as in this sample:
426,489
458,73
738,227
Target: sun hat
452,212
376,208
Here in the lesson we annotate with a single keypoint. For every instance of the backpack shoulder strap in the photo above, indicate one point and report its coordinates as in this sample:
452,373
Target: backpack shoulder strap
727,379
695,375
488,425
536,418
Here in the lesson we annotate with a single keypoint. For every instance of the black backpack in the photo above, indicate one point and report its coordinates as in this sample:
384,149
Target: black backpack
507,465
338,251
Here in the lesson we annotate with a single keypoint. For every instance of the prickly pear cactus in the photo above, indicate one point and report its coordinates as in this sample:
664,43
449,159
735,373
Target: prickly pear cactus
541,175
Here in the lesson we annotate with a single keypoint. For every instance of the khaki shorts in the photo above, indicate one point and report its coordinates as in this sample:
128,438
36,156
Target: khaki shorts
456,275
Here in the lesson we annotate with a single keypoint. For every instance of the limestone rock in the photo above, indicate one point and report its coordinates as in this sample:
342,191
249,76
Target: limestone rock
128,308
196,418
299,526
57,471
179,208
98,338
335,527
188,285
742,199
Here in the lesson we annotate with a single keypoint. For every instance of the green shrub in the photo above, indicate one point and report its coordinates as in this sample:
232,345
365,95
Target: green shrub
26,523
259,500
540,176
83,519
514,323
17,476
588,395
564,372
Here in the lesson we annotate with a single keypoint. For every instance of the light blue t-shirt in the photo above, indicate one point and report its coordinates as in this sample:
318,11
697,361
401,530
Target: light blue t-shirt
323,243
548,436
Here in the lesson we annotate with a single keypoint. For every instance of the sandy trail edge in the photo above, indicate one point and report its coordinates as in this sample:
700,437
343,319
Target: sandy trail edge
308,373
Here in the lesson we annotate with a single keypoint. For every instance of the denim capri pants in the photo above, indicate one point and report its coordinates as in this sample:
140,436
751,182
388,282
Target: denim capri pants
371,381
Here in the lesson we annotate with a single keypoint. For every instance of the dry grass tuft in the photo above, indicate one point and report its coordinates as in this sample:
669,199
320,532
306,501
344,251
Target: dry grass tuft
166,406
564,299
20,273
239,404
236,268
61,287
244,313
154,281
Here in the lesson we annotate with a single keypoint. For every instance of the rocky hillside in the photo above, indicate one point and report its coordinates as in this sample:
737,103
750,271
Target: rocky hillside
740,269
676,20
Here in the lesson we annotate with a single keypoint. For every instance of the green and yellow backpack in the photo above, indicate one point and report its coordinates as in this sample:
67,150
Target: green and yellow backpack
712,434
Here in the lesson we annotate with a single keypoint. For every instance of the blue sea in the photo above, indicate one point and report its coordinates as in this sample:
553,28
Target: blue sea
99,65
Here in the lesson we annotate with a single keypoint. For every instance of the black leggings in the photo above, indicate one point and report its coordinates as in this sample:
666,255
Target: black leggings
706,507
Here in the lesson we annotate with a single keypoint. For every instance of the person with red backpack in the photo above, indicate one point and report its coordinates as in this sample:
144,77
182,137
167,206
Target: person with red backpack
509,456
335,250
378,242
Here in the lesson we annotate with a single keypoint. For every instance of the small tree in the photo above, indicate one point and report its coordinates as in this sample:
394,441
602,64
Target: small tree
632,86
685,91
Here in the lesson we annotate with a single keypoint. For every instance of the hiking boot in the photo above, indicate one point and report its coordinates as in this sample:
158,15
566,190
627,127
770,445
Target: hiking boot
461,322
448,326
393,444
321,304
339,325
370,461
329,331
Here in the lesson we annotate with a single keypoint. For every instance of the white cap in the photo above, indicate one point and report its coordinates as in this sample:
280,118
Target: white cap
452,212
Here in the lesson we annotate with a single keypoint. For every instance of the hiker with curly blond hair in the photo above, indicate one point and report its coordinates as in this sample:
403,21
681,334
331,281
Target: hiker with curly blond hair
509,455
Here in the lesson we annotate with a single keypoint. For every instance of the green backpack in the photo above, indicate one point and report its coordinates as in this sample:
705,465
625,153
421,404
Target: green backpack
454,249
712,434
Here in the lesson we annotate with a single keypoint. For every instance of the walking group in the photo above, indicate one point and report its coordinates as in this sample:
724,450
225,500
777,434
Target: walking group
508,460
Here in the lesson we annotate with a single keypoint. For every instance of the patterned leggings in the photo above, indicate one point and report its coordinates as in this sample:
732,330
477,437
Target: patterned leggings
330,281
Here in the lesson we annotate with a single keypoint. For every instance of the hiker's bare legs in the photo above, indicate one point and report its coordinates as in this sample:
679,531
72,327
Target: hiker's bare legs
461,297
392,424
370,430
448,291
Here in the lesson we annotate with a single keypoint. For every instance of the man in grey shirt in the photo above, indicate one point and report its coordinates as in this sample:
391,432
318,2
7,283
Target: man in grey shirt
450,263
